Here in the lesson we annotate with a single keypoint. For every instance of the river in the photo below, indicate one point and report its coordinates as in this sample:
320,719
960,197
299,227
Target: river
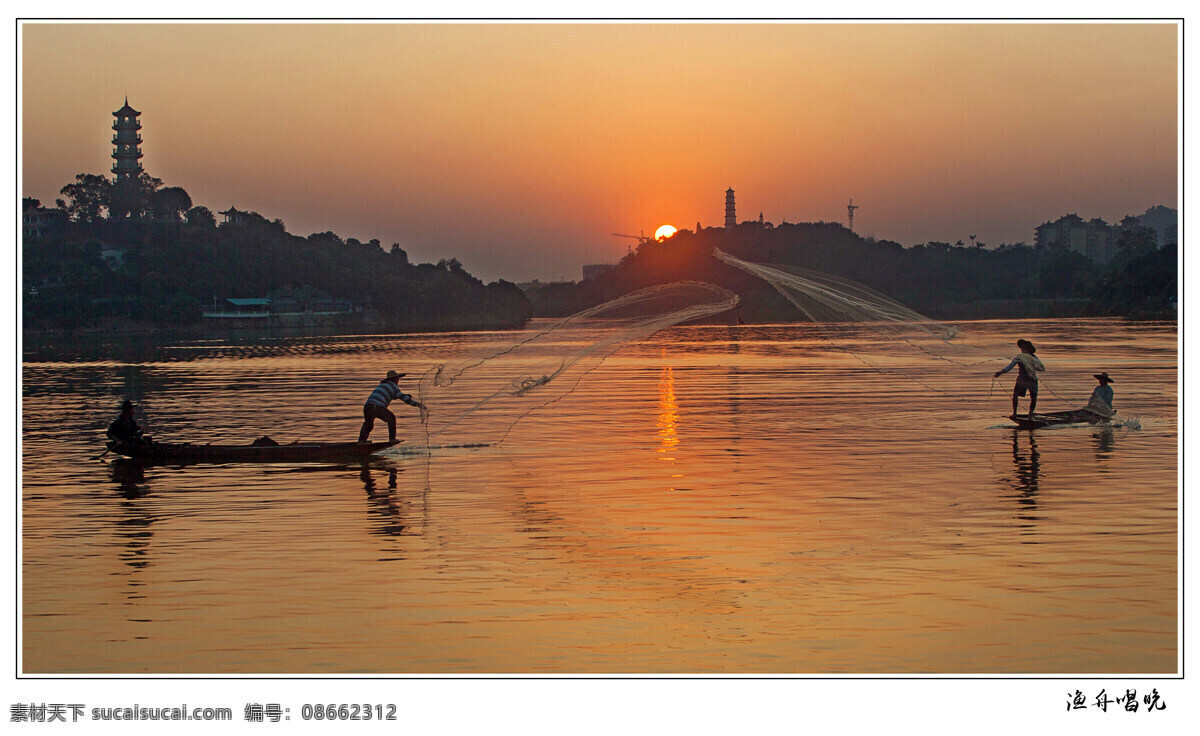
714,499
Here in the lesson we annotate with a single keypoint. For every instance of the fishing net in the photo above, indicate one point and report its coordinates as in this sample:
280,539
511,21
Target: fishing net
890,338
478,400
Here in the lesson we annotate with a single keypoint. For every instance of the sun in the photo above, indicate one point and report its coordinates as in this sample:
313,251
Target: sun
664,232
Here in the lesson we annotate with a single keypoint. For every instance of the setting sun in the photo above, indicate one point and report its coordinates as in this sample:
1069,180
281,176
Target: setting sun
664,232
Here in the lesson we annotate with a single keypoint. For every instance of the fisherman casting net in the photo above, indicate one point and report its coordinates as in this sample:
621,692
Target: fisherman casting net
892,339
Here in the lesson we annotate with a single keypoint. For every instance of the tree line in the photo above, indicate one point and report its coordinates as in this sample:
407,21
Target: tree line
167,258
937,279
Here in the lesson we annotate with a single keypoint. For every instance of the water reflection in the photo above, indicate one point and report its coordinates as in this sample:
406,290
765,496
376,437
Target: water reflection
133,528
1105,442
795,548
667,419
130,477
733,396
1027,463
668,412
386,504
134,531
393,510
1027,460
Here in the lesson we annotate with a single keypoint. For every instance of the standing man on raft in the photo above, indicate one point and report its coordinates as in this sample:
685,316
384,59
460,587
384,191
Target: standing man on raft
1027,365
377,403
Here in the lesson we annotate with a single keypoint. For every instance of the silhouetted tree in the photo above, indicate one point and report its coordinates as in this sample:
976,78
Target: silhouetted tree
88,199
326,237
1132,245
1145,281
200,217
171,202
133,197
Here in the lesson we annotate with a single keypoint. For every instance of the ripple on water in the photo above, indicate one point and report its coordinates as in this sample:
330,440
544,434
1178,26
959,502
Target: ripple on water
718,499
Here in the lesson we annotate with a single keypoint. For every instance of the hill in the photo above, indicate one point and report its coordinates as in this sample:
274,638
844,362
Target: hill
937,279
159,267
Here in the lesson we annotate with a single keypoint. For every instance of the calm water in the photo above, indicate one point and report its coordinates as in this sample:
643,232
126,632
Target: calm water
716,499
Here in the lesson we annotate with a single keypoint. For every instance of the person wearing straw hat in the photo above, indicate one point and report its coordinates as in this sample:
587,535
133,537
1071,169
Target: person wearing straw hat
1102,397
1027,365
377,406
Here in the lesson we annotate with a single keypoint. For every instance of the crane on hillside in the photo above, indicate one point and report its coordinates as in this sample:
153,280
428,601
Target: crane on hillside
640,238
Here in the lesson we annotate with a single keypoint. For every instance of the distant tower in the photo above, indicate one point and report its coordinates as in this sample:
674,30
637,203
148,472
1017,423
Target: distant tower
127,141
730,216
850,208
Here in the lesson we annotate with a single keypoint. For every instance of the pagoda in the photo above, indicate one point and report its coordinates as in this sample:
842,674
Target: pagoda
127,141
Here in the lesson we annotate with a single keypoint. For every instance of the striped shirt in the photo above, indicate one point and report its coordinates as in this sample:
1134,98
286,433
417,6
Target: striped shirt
385,392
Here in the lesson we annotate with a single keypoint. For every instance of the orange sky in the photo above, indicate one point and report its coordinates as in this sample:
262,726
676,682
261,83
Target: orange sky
519,148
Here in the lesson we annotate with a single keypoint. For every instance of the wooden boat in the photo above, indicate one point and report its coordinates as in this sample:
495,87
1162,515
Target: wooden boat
297,452
1074,416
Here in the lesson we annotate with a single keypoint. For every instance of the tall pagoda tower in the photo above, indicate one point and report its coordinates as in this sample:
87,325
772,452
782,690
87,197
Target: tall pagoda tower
127,141
730,215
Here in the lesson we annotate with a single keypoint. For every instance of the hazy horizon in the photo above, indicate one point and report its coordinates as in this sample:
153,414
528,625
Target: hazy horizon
519,148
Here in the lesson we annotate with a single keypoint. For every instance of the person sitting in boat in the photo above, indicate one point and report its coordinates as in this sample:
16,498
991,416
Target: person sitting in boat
1100,402
1027,365
377,403
125,429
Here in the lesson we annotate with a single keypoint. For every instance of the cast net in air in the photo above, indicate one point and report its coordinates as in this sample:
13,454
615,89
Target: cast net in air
890,338
478,400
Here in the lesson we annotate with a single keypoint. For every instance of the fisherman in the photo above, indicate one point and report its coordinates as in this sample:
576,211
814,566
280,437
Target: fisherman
1102,396
377,403
1027,365
125,430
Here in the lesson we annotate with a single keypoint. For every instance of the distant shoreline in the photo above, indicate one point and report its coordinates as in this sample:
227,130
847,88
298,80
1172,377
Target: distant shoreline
300,324
992,310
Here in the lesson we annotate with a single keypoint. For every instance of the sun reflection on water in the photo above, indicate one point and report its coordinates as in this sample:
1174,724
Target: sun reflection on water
668,412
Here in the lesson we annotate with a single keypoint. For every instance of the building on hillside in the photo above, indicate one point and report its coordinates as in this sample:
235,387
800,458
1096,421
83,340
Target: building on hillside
730,210
1097,240
1057,233
128,141
39,222
233,214
1130,222
257,308
1164,221
1094,239
264,307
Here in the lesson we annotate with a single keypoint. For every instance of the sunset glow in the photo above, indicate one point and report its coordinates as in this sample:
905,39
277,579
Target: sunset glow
519,148
360,350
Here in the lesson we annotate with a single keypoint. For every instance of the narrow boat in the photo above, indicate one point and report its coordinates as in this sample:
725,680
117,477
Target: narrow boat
297,452
1074,416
